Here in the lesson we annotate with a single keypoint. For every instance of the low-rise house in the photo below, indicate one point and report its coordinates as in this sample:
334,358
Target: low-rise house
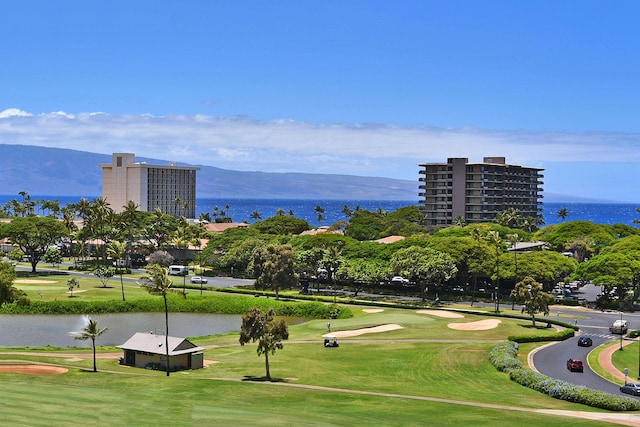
147,350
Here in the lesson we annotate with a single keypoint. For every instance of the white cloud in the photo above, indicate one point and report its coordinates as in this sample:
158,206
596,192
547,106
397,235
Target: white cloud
241,143
13,112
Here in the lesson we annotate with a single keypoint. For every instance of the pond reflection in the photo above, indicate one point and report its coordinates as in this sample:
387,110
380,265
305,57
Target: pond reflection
57,330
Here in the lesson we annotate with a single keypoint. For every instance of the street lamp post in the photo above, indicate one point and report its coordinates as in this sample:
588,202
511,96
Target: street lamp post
621,334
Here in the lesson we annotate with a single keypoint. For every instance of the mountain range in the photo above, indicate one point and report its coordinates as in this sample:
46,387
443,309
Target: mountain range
48,171
62,172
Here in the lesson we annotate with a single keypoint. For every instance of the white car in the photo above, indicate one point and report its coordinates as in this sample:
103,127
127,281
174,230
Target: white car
399,279
198,279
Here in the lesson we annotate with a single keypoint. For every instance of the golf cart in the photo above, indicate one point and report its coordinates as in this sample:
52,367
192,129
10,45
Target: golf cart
331,341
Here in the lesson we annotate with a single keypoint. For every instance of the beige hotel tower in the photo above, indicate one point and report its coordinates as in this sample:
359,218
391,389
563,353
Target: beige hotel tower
170,188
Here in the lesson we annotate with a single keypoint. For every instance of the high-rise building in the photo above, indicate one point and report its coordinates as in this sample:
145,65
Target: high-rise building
170,188
477,192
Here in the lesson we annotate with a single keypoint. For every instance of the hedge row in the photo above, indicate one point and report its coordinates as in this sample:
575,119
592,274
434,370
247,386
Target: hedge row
559,336
218,303
504,358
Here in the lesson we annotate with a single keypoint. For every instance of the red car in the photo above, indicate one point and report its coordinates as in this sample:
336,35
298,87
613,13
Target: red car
575,365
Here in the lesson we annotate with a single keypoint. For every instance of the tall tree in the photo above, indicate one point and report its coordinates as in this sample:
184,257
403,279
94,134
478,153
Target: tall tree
9,293
562,213
130,225
91,331
100,222
118,251
157,282
514,239
496,241
268,332
319,210
34,235
273,267
256,216
476,235
534,299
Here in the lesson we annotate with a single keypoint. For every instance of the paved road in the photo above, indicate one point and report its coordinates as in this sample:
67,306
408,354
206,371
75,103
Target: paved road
551,360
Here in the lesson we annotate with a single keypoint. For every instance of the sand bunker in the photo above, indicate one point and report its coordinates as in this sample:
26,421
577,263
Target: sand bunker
480,325
34,281
373,310
33,369
373,330
441,313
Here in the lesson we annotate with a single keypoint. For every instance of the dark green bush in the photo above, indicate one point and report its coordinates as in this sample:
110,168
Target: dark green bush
559,336
504,357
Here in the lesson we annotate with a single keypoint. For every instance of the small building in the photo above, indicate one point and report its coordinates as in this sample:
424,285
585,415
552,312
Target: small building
147,350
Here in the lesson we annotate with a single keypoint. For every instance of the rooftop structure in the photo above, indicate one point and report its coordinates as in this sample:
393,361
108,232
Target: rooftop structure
477,192
170,188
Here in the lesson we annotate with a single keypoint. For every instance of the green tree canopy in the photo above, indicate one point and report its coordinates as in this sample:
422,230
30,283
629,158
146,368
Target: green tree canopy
530,293
274,268
268,332
9,293
34,235
283,224
423,265
559,235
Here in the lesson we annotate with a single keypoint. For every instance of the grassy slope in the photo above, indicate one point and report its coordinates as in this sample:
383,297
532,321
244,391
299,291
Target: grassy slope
383,363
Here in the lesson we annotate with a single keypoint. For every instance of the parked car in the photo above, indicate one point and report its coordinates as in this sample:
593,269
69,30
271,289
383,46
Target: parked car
585,342
631,388
198,279
399,279
575,365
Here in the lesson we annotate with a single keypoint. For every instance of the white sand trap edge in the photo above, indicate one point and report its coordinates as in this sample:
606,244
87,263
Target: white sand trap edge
34,281
480,325
373,330
441,313
373,310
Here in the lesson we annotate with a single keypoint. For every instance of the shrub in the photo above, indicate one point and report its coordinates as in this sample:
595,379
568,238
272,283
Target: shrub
504,357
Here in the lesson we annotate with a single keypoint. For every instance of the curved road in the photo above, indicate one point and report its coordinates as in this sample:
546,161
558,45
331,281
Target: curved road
551,360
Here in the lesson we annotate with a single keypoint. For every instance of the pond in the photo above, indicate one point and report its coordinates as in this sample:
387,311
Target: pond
57,330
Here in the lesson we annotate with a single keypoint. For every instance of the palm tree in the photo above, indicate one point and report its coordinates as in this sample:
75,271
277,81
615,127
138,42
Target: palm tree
514,239
320,211
158,283
476,235
346,210
255,215
118,251
563,213
280,212
495,240
91,331
100,221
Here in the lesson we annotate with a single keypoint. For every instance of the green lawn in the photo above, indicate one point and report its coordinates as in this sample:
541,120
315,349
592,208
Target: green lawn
413,363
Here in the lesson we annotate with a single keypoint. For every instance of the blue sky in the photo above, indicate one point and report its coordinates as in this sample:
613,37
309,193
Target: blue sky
351,87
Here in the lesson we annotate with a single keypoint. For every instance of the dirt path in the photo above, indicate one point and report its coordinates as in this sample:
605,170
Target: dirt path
604,359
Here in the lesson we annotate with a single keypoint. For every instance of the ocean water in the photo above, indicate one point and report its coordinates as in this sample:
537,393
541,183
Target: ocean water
241,209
